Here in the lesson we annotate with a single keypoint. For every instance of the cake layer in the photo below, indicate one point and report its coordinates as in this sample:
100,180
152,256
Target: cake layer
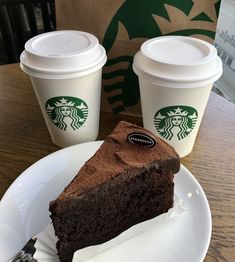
123,184
96,218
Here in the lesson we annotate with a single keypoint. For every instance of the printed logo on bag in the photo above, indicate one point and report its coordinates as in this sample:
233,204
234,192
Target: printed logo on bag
171,17
175,121
67,112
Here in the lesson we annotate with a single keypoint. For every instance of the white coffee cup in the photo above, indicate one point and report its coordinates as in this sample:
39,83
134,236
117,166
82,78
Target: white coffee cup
65,68
176,74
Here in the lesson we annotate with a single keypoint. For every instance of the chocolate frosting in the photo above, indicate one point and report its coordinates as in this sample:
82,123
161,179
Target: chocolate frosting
117,155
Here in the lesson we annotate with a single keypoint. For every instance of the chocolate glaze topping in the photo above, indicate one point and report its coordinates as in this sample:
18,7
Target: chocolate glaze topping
117,156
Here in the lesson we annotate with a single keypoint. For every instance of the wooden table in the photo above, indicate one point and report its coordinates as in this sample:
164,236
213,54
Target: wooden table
24,140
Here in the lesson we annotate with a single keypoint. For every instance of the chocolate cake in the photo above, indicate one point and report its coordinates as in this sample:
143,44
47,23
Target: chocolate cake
127,181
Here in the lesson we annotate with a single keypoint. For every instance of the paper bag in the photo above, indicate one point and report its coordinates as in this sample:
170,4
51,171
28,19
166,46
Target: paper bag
122,26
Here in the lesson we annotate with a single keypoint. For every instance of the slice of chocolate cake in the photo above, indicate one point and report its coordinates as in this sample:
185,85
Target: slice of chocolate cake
127,181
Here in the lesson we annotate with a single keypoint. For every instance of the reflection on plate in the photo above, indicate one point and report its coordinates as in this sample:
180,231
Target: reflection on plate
183,239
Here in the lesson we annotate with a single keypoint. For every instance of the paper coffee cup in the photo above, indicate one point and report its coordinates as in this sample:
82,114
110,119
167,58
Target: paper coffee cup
65,68
176,74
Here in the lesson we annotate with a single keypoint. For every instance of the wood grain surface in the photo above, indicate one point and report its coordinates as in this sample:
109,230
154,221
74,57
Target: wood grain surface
24,139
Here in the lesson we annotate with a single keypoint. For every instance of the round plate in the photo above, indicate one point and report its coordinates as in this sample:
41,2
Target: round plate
24,213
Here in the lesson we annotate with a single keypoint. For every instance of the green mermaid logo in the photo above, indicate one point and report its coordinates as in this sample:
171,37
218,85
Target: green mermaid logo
175,121
141,20
67,111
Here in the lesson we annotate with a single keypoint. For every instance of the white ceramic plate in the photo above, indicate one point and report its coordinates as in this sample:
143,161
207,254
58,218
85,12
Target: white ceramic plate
24,212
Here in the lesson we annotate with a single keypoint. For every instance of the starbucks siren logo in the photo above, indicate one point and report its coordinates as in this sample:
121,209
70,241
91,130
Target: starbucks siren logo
175,121
67,112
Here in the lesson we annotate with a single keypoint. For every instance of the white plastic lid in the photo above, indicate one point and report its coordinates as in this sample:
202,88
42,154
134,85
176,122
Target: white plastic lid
178,61
62,54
